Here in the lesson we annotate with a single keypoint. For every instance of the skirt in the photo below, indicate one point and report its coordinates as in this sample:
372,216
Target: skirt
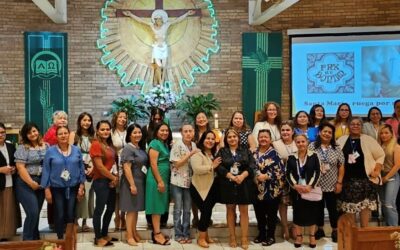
358,194
8,215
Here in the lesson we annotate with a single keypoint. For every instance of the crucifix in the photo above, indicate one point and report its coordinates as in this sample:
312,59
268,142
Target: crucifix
159,25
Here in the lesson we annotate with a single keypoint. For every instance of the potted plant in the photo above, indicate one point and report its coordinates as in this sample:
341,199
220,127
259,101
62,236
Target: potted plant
189,106
134,107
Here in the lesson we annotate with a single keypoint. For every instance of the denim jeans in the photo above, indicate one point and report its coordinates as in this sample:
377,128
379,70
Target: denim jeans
64,208
388,196
105,196
182,204
32,202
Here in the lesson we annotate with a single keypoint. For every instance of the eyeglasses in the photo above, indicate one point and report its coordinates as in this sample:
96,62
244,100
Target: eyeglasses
344,110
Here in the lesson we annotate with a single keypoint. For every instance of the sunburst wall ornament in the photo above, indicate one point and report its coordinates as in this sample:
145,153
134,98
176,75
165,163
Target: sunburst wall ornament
159,42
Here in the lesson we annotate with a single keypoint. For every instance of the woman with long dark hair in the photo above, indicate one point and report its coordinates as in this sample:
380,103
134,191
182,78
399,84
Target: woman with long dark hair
342,120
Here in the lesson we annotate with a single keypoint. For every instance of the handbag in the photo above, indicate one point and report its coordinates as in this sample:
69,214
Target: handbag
314,195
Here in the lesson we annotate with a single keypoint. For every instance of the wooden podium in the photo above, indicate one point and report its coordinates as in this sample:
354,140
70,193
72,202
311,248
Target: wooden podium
351,237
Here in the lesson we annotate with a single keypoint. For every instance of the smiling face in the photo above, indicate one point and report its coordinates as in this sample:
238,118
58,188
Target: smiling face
302,119
136,135
86,122
62,135
355,127
201,120
301,143
237,120
33,135
272,112
60,121
2,135
319,113
264,139
375,116
326,135
344,112
187,133
121,119
232,138
104,131
163,133
287,133
209,142
385,134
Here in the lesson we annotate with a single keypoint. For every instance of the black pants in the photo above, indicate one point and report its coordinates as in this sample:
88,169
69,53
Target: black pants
205,206
267,216
105,196
328,200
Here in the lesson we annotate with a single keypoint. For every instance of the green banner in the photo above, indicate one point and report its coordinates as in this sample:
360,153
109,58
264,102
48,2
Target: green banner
46,76
262,71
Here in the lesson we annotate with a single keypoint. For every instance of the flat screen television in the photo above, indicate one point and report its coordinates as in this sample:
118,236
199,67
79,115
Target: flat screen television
358,66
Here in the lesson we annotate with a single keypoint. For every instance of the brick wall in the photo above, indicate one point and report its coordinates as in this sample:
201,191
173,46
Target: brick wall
92,87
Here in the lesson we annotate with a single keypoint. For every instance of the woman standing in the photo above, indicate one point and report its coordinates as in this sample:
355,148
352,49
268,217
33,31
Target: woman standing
157,182
134,160
236,184
63,179
285,147
201,125
119,123
363,164
317,115
271,119
181,152
374,122
394,121
29,158
332,171
238,122
83,138
203,189
9,208
105,179
390,175
342,120
302,173
302,126
156,117
270,175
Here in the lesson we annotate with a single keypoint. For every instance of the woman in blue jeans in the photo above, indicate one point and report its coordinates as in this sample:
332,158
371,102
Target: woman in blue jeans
29,157
181,153
63,179
390,175
105,179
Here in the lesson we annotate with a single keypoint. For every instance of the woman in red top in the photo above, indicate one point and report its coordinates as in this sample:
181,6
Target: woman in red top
105,179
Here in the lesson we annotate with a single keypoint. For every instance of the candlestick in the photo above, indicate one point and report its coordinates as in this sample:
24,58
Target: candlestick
216,120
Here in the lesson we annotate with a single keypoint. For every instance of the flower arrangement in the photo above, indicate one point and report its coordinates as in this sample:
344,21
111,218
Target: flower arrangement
160,97
396,237
50,246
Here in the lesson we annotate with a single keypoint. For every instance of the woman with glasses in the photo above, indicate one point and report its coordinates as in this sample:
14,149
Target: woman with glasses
342,120
374,122
363,163
271,119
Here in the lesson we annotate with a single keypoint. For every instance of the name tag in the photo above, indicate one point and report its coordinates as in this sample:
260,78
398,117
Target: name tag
302,181
65,175
144,169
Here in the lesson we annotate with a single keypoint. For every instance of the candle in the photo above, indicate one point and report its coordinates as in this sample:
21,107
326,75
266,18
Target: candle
216,120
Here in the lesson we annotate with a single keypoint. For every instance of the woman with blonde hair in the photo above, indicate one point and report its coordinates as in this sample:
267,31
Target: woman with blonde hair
390,175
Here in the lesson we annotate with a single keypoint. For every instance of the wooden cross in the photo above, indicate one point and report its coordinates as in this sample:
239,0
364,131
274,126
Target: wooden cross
159,5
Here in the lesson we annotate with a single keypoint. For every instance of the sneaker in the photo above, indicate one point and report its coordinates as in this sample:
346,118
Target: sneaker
319,234
334,236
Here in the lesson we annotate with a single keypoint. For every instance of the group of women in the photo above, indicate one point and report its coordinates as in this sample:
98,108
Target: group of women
308,163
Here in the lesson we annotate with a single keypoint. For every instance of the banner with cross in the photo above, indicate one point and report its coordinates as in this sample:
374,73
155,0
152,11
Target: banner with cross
262,71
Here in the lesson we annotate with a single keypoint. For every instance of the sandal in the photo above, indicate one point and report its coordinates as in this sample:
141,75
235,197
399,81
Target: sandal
312,245
232,242
296,244
181,241
108,238
164,243
188,241
132,242
102,243
268,242
85,228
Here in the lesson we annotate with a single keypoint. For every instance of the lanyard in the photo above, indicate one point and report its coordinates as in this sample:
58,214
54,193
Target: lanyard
324,154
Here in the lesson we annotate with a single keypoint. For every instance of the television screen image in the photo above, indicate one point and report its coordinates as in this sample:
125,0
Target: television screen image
333,66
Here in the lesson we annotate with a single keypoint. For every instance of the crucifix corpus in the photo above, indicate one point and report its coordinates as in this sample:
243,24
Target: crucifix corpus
159,25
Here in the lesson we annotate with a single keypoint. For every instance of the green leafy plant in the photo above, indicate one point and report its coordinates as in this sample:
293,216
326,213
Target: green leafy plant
134,107
189,106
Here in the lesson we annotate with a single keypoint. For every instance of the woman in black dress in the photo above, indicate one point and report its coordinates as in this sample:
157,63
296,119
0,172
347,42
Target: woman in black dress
302,173
236,183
